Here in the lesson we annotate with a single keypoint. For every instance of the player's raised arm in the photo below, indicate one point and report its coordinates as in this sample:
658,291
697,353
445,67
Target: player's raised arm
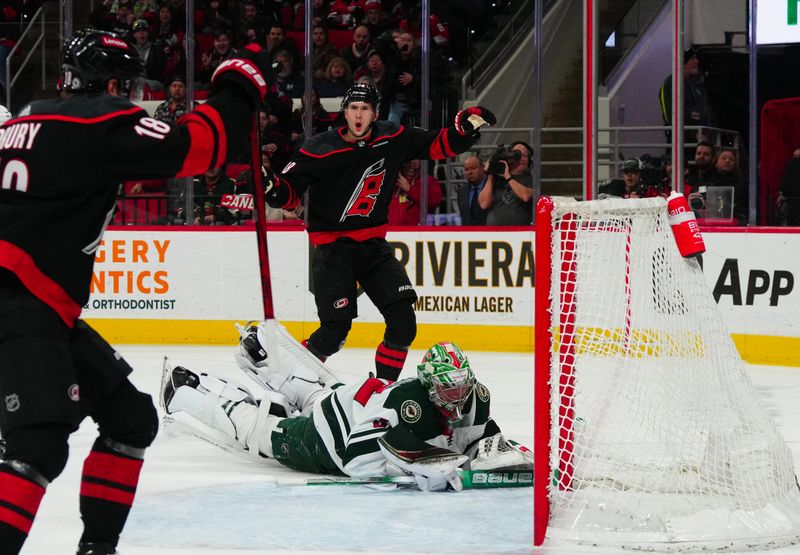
131,144
438,144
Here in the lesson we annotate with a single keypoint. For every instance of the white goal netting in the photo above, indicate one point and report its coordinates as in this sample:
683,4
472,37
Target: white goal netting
659,439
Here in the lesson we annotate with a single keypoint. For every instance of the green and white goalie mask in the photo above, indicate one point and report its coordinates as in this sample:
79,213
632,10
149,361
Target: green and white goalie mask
446,374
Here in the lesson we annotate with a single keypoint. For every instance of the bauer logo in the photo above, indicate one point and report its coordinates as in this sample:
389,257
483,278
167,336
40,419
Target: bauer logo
410,411
502,478
341,303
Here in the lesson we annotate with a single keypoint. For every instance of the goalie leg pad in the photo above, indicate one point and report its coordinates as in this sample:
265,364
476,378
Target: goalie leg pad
254,426
272,357
207,398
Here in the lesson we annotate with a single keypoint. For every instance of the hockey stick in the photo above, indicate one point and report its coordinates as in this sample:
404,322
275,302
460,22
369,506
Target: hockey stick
470,479
261,222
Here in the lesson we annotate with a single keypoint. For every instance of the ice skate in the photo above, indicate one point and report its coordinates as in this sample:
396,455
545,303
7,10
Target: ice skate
93,548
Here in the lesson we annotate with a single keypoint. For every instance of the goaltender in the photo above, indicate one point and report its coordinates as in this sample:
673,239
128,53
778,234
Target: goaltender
429,426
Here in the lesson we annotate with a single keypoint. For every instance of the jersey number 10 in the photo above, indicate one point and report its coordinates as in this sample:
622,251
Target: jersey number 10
15,176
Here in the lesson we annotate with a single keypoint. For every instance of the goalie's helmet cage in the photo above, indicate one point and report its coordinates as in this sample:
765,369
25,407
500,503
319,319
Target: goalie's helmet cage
447,376
91,57
362,92
649,432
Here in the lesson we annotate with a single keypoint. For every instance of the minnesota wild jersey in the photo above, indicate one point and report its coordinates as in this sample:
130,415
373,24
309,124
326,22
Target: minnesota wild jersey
351,419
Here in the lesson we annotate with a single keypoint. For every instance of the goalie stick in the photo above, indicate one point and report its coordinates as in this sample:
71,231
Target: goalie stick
470,479
261,222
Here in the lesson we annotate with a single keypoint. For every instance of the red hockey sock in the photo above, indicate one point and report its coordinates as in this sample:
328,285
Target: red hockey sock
389,362
108,486
19,501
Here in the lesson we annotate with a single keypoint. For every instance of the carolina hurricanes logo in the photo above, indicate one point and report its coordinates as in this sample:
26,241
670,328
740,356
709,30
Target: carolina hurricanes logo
341,303
362,201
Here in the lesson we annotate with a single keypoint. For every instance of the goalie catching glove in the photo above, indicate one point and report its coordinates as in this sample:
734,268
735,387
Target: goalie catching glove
245,72
470,120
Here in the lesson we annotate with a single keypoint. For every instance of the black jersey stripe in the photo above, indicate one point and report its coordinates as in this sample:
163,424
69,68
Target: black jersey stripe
336,430
342,414
360,449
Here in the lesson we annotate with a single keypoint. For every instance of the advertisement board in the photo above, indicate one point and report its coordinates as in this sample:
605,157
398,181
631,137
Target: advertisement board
163,285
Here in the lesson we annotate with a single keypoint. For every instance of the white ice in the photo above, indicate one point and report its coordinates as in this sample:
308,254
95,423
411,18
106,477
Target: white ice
194,498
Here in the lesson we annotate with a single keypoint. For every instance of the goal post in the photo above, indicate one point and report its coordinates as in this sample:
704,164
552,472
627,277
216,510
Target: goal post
648,431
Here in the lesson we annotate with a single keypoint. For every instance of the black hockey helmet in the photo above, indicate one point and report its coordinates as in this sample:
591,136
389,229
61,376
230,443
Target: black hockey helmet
362,92
92,57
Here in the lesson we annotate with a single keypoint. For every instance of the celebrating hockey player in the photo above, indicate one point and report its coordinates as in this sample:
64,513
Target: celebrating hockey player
61,164
350,174
428,426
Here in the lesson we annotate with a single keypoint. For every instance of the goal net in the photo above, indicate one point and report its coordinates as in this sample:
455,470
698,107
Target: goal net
649,432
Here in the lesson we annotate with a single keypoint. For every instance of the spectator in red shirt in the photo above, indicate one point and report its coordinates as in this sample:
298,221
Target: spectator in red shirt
404,208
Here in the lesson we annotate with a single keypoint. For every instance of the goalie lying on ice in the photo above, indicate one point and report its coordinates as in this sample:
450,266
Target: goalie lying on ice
429,426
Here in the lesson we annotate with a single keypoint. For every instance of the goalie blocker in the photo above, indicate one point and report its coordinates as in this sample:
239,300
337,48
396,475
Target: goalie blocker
368,430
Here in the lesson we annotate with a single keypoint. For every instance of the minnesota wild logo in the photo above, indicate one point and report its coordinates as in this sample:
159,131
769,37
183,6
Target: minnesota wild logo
410,411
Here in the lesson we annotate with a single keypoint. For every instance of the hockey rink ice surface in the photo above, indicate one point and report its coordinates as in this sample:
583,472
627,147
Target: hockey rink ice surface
194,498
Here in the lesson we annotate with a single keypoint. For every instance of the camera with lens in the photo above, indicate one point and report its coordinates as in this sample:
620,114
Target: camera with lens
652,171
697,202
501,155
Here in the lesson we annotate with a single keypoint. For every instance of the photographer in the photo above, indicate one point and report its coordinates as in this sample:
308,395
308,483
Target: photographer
508,193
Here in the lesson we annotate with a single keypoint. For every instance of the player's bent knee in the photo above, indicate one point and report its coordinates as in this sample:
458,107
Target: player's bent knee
129,418
401,323
43,446
329,337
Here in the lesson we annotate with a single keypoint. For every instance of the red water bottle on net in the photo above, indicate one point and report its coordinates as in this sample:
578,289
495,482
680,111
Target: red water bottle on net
684,226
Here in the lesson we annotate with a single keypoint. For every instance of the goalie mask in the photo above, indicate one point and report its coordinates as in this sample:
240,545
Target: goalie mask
446,375
92,57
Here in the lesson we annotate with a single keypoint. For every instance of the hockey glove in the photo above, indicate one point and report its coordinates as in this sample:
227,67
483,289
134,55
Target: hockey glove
243,71
433,468
470,120
495,452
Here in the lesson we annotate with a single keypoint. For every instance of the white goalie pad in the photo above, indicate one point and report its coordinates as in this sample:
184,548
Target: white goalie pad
219,411
496,452
285,365
284,353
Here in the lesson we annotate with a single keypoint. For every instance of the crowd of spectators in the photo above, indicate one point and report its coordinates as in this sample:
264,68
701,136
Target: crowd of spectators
713,183
377,41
